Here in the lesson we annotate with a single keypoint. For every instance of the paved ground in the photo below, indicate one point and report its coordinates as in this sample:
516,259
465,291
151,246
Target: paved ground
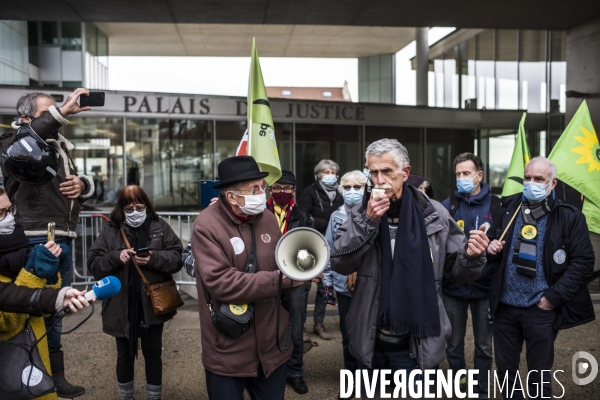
91,359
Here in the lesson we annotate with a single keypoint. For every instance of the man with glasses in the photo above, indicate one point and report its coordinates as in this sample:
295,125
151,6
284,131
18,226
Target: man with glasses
223,238
282,205
57,201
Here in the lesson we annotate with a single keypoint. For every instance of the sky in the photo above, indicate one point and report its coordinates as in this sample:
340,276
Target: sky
229,75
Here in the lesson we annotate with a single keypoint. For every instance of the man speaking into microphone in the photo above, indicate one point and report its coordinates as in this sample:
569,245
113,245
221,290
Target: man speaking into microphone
226,236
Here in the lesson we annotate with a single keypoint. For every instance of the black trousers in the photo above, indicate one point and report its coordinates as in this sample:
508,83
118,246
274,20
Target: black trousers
512,326
152,350
260,388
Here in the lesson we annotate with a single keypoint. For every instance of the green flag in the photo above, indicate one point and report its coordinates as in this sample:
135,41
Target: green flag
520,156
261,133
592,215
577,159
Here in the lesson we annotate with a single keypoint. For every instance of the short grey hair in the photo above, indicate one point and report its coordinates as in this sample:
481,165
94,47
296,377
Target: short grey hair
550,164
27,105
352,177
320,167
234,187
392,146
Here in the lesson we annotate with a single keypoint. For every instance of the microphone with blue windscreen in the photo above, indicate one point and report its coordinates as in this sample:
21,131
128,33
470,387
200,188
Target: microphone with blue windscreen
103,289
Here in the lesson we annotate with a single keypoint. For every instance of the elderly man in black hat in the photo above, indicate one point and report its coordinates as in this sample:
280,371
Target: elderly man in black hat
223,238
281,204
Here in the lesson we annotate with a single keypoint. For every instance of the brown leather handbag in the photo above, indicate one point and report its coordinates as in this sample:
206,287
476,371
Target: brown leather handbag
164,296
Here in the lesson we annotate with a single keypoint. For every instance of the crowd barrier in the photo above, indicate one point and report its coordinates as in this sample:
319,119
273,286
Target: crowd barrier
89,227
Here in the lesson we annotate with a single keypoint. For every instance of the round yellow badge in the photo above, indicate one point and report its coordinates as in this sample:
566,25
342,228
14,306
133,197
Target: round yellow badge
238,309
529,232
461,224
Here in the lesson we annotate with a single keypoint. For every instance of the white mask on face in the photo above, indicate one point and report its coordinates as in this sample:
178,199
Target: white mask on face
7,225
255,203
135,218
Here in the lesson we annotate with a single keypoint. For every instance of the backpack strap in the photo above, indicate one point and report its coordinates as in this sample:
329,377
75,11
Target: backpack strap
454,202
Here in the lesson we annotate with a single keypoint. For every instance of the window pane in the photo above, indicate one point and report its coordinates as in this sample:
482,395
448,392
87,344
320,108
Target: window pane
49,32
91,38
443,145
229,135
32,32
315,142
283,135
99,154
71,35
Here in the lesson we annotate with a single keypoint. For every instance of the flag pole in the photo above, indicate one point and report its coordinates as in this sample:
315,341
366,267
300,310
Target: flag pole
510,223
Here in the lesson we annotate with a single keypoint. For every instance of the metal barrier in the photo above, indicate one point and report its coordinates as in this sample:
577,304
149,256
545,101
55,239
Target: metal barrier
91,224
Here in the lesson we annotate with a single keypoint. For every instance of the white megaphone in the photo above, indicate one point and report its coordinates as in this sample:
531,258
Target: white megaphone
302,254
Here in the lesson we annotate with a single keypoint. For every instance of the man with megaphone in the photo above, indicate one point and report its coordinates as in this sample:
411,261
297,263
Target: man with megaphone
233,243
401,242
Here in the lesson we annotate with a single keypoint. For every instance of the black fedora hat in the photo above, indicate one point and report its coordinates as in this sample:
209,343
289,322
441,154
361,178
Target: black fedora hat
238,169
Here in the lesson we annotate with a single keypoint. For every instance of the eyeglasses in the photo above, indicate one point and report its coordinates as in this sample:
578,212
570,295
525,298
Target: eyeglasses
253,190
4,212
138,208
279,189
355,187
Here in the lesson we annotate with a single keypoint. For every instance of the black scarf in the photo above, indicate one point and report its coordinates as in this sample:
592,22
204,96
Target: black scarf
134,288
408,300
14,252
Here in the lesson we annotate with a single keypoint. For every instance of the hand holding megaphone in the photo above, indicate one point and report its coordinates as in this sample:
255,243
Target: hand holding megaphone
287,282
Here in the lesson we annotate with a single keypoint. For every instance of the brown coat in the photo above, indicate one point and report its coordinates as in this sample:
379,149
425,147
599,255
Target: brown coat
215,233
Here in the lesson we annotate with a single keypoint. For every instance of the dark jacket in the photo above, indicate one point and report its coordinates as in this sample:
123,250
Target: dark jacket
315,201
448,252
472,212
23,300
566,231
221,244
104,260
38,205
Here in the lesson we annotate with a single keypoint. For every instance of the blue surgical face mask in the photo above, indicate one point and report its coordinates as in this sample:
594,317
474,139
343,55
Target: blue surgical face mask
353,197
466,185
534,191
329,180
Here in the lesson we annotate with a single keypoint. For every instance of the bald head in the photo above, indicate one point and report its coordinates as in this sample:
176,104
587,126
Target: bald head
541,170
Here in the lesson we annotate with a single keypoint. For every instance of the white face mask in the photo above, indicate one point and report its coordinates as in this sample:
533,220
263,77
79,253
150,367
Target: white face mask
255,204
7,225
135,218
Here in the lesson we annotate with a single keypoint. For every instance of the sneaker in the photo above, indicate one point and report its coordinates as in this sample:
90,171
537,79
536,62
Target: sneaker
320,330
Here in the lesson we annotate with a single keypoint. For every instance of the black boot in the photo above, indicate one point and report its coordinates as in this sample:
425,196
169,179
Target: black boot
63,388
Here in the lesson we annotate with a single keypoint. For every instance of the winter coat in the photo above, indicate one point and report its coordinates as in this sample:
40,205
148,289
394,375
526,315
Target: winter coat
104,260
330,277
315,201
448,251
11,323
41,204
35,302
568,261
472,212
221,244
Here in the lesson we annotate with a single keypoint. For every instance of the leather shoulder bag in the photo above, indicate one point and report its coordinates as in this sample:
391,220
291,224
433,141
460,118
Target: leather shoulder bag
164,296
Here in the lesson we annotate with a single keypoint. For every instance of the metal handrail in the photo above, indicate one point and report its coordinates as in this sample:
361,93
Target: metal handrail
91,224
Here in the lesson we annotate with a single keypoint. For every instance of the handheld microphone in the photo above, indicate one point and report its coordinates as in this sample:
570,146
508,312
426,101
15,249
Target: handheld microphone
103,289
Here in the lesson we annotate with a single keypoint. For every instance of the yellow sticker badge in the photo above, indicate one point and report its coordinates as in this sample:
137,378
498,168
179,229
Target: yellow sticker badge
238,309
529,232
461,224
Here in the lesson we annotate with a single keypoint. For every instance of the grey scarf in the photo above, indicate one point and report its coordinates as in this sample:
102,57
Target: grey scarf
331,191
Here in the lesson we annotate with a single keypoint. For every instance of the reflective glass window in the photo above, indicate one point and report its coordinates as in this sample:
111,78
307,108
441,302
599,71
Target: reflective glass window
532,70
49,32
484,70
507,69
314,142
71,35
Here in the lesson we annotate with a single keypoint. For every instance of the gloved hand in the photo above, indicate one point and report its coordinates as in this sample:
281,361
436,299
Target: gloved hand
44,264
328,294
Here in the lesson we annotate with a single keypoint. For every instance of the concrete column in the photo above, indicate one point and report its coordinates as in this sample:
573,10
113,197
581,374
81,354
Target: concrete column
422,65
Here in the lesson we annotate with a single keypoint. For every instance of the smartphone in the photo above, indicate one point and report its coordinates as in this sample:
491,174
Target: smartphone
95,99
143,252
51,230
377,193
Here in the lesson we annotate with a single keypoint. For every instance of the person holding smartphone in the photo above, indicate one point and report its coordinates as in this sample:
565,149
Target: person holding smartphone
129,315
58,200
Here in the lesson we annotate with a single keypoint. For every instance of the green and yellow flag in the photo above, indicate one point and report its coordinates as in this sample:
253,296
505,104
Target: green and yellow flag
261,133
577,159
514,177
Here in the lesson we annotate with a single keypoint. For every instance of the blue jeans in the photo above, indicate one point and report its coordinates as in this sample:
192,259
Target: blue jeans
66,272
297,310
457,309
320,305
343,308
